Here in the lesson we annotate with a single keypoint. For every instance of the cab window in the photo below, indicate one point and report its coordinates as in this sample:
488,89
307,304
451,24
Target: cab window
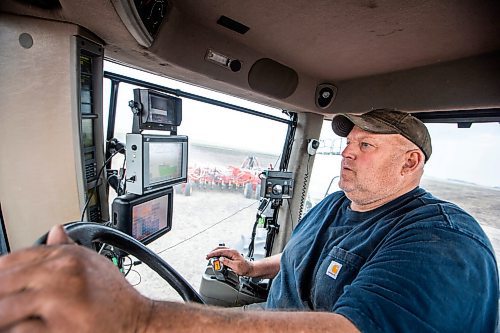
227,152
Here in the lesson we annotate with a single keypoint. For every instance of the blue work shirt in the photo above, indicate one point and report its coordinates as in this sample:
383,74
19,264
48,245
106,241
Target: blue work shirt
416,264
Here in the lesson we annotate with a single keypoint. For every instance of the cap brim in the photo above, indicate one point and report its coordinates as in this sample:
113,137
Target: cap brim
342,125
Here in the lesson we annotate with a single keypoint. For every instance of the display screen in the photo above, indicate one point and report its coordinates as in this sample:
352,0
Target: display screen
161,103
86,89
86,94
87,133
165,161
85,63
89,156
149,217
161,109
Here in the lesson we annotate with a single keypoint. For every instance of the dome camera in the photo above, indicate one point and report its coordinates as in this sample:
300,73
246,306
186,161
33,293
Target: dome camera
312,146
325,94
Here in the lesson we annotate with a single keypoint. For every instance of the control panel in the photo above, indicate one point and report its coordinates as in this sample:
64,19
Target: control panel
89,76
277,184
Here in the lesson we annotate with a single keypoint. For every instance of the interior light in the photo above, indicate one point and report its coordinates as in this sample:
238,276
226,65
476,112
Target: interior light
217,58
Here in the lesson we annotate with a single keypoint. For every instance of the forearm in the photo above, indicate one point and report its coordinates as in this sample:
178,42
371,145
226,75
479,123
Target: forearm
176,317
266,268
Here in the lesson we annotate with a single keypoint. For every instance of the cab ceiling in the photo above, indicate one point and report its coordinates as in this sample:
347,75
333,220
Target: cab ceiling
341,40
378,53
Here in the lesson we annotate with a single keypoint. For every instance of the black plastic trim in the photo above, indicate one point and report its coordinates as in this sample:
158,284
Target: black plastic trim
44,4
4,242
180,93
233,25
460,116
113,97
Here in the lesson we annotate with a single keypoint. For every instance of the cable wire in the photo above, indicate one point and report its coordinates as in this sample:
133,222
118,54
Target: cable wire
277,160
331,182
97,180
122,178
140,278
304,190
251,245
206,229
290,212
129,266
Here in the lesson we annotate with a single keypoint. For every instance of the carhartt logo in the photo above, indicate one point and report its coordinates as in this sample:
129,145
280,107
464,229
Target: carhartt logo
334,269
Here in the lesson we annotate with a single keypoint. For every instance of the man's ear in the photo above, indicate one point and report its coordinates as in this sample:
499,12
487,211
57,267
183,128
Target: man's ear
413,159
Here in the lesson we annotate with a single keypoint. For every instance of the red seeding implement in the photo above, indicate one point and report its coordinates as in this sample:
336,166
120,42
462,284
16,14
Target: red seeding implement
244,178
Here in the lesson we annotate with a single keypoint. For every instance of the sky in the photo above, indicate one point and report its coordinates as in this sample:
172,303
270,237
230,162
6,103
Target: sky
470,155
466,154
205,123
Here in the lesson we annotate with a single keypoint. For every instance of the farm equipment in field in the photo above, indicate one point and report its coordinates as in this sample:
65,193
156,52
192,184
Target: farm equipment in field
244,178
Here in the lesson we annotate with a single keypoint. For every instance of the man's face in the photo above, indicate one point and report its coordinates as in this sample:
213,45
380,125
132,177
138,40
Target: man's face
372,165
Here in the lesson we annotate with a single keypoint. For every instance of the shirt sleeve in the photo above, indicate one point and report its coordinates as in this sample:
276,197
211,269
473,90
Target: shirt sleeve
424,280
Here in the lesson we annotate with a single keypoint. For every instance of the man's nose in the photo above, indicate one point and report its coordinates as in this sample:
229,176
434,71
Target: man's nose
348,151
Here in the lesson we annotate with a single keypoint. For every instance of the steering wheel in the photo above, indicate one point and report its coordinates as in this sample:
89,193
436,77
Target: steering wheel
87,233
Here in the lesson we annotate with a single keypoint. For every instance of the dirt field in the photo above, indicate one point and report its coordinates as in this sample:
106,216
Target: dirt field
481,202
228,215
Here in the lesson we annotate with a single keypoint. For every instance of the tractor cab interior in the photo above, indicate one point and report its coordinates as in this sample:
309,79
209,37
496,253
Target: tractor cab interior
168,120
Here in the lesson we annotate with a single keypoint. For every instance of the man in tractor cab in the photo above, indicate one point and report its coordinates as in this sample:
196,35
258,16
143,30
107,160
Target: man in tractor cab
382,255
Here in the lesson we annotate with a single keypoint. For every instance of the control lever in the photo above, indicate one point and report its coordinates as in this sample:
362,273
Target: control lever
220,270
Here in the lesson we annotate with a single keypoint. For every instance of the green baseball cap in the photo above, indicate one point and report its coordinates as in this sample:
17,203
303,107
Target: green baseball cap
384,121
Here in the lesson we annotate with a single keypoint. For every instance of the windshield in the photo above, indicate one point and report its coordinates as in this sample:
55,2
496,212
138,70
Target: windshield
227,152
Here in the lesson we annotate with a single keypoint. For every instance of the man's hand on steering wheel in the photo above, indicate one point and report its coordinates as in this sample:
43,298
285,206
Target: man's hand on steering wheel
61,286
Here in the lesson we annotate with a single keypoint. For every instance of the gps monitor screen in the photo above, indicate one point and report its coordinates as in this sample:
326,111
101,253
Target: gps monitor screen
165,161
149,217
